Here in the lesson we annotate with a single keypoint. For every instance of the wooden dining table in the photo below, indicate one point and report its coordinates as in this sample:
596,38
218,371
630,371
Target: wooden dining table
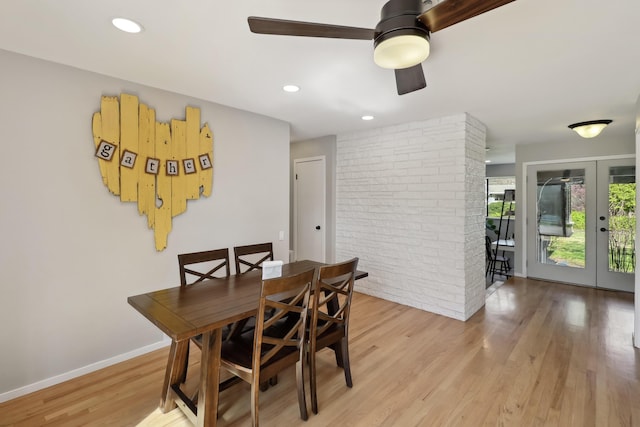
203,309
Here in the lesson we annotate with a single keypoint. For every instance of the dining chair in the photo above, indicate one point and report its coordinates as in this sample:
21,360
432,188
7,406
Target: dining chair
330,307
493,259
196,267
277,342
251,257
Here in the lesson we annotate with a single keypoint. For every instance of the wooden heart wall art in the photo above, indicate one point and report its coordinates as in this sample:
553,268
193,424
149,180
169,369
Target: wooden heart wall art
158,165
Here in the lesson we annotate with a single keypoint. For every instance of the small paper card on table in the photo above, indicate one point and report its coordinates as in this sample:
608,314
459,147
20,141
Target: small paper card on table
271,269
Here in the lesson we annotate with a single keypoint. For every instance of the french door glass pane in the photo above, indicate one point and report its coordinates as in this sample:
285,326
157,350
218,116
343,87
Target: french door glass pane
622,218
560,211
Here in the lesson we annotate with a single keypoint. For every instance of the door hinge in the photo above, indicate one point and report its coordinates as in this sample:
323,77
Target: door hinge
296,176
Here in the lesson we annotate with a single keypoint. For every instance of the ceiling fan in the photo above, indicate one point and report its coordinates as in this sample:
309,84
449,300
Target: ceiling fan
401,38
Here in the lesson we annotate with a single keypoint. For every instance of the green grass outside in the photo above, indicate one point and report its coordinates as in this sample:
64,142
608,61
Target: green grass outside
568,250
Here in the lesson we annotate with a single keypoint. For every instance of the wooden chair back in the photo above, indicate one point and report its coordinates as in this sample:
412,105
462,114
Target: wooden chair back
278,340
252,256
198,266
331,306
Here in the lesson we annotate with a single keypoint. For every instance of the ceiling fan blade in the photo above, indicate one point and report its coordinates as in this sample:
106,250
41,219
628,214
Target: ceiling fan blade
451,12
410,79
307,29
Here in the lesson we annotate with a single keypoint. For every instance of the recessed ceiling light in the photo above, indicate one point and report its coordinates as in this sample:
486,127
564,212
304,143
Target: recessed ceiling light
367,118
487,161
126,25
290,88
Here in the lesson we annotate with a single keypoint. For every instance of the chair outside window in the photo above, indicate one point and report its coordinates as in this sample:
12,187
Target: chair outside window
331,304
495,263
251,257
278,341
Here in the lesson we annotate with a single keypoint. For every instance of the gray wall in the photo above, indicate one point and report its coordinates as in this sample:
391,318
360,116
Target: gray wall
325,146
72,252
507,169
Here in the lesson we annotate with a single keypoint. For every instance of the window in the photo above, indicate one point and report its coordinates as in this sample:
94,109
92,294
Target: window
494,189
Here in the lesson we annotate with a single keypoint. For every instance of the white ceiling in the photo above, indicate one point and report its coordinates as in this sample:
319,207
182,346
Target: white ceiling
527,69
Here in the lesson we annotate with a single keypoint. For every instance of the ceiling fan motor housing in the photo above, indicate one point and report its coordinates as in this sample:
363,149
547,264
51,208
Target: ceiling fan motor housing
400,17
401,39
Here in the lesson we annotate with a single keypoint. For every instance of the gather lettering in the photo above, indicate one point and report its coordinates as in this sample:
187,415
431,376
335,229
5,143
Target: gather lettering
153,166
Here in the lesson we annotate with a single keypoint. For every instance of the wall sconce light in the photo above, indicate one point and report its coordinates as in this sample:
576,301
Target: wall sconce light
590,129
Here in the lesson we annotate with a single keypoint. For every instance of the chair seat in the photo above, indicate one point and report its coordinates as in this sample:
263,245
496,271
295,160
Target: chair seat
248,327
239,349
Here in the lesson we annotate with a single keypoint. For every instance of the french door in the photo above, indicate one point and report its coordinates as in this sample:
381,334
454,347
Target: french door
581,223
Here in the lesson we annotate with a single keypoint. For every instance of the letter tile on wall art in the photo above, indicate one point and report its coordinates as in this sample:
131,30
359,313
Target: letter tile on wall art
158,165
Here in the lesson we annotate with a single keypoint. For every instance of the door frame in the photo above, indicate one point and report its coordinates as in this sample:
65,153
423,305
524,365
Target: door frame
324,204
522,196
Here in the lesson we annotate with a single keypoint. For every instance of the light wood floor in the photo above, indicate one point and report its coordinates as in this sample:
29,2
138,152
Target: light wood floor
538,354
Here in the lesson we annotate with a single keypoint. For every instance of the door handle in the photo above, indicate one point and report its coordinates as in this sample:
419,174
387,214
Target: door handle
317,227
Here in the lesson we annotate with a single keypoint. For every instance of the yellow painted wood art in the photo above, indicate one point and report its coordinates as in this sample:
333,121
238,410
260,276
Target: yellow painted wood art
158,165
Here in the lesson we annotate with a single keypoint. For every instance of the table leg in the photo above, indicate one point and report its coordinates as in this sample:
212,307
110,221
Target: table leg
209,378
175,371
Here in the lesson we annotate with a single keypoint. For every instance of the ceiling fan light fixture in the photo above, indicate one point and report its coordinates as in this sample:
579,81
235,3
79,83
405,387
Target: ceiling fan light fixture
401,51
591,128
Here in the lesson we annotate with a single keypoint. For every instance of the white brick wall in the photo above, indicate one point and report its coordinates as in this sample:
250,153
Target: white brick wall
410,205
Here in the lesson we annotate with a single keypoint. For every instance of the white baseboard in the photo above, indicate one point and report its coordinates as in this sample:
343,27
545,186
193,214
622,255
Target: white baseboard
12,394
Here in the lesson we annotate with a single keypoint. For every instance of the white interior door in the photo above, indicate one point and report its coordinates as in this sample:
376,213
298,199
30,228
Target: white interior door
309,208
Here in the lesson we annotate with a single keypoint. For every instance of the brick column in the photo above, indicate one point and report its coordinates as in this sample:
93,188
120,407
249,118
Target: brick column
410,204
